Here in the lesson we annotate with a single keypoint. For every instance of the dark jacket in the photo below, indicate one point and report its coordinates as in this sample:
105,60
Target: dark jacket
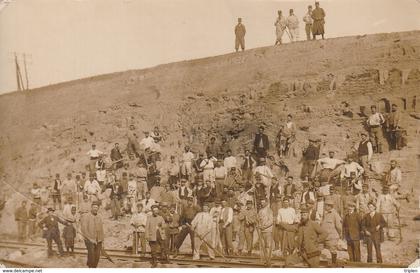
264,140
352,227
310,235
370,223
311,153
51,223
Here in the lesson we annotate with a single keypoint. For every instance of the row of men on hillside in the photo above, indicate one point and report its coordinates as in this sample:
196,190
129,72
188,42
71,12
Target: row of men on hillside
314,21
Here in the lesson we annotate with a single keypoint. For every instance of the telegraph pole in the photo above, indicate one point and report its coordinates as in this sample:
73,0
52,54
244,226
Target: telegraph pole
18,75
26,71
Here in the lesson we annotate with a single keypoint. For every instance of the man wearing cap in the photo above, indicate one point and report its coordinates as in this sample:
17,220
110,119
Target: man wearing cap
156,191
94,155
68,188
280,25
332,224
318,15
393,128
138,222
309,235
247,166
261,143
248,218
374,123
93,232
147,203
328,164
186,163
56,191
183,191
208,167
224,148
389,207
188,212
147,142
36,194
308,23
292,23
352,230
372,225
286,219
173,171
212,148
69,234
363,199
92,188
201,225
265,173
51,233
265,224
310,156
21,218
155,235
173,227
364,151
240,35
116,157
229,161
289,189
351,167
307,194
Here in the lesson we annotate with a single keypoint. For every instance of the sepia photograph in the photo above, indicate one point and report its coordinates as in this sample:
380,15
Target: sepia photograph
209,134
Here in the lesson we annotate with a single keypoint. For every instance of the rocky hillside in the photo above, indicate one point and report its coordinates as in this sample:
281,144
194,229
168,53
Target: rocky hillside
50,129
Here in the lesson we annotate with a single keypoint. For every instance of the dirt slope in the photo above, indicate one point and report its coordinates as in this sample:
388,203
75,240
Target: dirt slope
50,129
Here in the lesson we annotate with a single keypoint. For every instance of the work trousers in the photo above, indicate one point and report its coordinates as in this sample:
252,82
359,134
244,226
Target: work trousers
308,30
56,238
115,208
32,228
353,248
294,34
181,238
226,236
376,136
377,245
21,228
93,253
140,239
249,238
156,246
239,41
198,242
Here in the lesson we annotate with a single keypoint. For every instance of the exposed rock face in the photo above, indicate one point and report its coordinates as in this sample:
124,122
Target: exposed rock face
49,130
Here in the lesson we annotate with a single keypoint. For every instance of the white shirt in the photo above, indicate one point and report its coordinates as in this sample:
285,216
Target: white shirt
139,220
292,21
147,142
187,157
266,174
286,215
94,153
230,162
330,163
92,187
375,119
208,163
230,215
220,172
352,167
308,19
147,207
370,149
68,186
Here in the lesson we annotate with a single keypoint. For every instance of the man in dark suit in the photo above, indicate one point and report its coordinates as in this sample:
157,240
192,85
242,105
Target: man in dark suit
261,144
49,225
352,228
373,224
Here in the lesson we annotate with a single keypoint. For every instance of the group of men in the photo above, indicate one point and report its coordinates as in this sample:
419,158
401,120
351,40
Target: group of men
314,21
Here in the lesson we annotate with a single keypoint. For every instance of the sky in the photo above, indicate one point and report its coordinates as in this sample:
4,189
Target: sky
71,39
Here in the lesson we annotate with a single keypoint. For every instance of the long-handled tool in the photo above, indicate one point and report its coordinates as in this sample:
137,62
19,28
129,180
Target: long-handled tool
399,226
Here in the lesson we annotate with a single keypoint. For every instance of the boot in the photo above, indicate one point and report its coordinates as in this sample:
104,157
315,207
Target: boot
154,261
334,259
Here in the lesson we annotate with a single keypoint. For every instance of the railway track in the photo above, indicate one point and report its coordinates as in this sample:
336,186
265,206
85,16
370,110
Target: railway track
205,261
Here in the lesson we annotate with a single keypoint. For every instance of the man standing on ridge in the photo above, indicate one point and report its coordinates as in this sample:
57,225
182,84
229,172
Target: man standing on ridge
240,35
